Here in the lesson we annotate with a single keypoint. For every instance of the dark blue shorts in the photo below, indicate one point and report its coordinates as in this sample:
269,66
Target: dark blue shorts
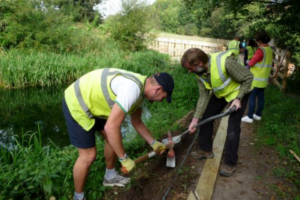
79,137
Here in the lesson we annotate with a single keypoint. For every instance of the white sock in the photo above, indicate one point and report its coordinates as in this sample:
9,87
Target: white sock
110,174
79,195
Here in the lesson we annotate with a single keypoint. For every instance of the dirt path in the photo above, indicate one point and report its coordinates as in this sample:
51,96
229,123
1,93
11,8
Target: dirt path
253,179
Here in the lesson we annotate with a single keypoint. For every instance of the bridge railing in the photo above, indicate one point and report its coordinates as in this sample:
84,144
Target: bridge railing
282,68
176,45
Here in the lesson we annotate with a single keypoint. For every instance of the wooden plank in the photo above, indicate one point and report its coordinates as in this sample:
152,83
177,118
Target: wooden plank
286,69
275,61
280,75
279,52
206,183
277,83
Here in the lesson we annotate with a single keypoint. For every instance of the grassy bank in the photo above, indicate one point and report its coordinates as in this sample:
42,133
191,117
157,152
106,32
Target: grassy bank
32,171
279,129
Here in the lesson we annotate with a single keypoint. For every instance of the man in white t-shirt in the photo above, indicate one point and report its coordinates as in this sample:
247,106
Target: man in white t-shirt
99,101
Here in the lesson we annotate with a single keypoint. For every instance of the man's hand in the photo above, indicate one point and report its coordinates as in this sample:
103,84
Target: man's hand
158,145
236,103
192,125
127,165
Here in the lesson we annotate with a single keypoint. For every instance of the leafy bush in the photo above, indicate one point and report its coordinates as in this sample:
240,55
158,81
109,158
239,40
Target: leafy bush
30,24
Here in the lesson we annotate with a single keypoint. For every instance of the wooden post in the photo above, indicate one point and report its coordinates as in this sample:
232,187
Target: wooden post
286,69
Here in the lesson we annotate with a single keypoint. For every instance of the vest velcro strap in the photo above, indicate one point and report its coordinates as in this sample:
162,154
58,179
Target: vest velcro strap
79,97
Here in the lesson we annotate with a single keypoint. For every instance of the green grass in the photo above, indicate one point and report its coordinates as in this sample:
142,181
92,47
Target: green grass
279,129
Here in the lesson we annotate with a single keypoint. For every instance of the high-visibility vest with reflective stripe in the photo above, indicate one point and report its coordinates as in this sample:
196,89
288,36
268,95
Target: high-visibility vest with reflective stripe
261,70
234,46
251,51
91,95
222,85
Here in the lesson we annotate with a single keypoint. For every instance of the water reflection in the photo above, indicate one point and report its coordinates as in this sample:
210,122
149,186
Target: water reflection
22,111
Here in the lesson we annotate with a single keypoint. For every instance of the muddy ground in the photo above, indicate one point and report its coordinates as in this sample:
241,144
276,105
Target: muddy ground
253,180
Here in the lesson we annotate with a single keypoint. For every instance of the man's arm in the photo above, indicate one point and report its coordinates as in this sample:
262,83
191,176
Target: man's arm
257,57
203,100
112,129
140,127
239,74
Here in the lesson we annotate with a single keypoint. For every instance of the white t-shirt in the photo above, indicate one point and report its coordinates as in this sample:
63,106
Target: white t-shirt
127,92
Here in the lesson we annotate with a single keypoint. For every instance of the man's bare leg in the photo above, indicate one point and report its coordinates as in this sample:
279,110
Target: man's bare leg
81,167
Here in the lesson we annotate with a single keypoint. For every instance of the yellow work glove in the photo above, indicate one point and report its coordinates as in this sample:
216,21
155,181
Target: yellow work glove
127,164
158,145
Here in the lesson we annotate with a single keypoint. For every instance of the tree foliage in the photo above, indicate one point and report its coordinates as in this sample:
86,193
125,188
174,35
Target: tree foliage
279,18
36,25
131,26
173,16
80,10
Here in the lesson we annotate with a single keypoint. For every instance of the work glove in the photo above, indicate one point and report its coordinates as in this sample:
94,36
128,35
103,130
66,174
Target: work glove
127,164
158,145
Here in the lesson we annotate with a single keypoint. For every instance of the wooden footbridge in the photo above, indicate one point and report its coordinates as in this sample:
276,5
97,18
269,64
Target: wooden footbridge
175,45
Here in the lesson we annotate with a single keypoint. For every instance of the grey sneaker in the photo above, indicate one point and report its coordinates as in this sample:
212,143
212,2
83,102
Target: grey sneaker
227,170
119,181
202,154
256,117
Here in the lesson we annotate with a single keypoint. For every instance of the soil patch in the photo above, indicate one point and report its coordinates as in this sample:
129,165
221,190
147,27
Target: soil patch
253,180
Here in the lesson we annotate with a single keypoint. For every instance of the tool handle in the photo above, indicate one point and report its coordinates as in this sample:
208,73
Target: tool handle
228,112
151,154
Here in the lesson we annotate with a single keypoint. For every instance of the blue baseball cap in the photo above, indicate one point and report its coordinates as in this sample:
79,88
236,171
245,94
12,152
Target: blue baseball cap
166,81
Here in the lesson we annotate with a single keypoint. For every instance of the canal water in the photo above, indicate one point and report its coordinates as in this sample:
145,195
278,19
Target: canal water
23,110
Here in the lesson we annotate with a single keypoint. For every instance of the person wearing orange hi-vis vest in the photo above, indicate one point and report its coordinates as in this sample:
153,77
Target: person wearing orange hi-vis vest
260,65
99,101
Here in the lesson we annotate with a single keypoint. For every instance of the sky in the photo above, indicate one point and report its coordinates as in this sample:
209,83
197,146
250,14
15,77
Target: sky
111,7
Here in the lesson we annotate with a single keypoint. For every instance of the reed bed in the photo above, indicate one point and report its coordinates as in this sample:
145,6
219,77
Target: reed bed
21,69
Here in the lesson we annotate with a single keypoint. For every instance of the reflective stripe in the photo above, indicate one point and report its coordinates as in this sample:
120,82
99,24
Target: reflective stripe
104,86
83,105
202,80
237,88
223,86
263,61
263,65
260,79
219,56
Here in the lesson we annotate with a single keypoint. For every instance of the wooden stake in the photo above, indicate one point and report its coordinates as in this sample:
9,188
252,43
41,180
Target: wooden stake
295,155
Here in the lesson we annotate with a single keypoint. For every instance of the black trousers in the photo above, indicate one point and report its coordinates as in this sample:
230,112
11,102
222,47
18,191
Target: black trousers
214,107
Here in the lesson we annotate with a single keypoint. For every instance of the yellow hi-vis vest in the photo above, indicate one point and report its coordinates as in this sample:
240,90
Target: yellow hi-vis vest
261,70
91,95
234,46
251,51
222,85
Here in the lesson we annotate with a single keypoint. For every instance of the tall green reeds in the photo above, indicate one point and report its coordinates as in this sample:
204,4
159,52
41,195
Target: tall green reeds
20,69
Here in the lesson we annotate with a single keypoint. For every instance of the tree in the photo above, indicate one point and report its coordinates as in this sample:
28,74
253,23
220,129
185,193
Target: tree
80,10
131,26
